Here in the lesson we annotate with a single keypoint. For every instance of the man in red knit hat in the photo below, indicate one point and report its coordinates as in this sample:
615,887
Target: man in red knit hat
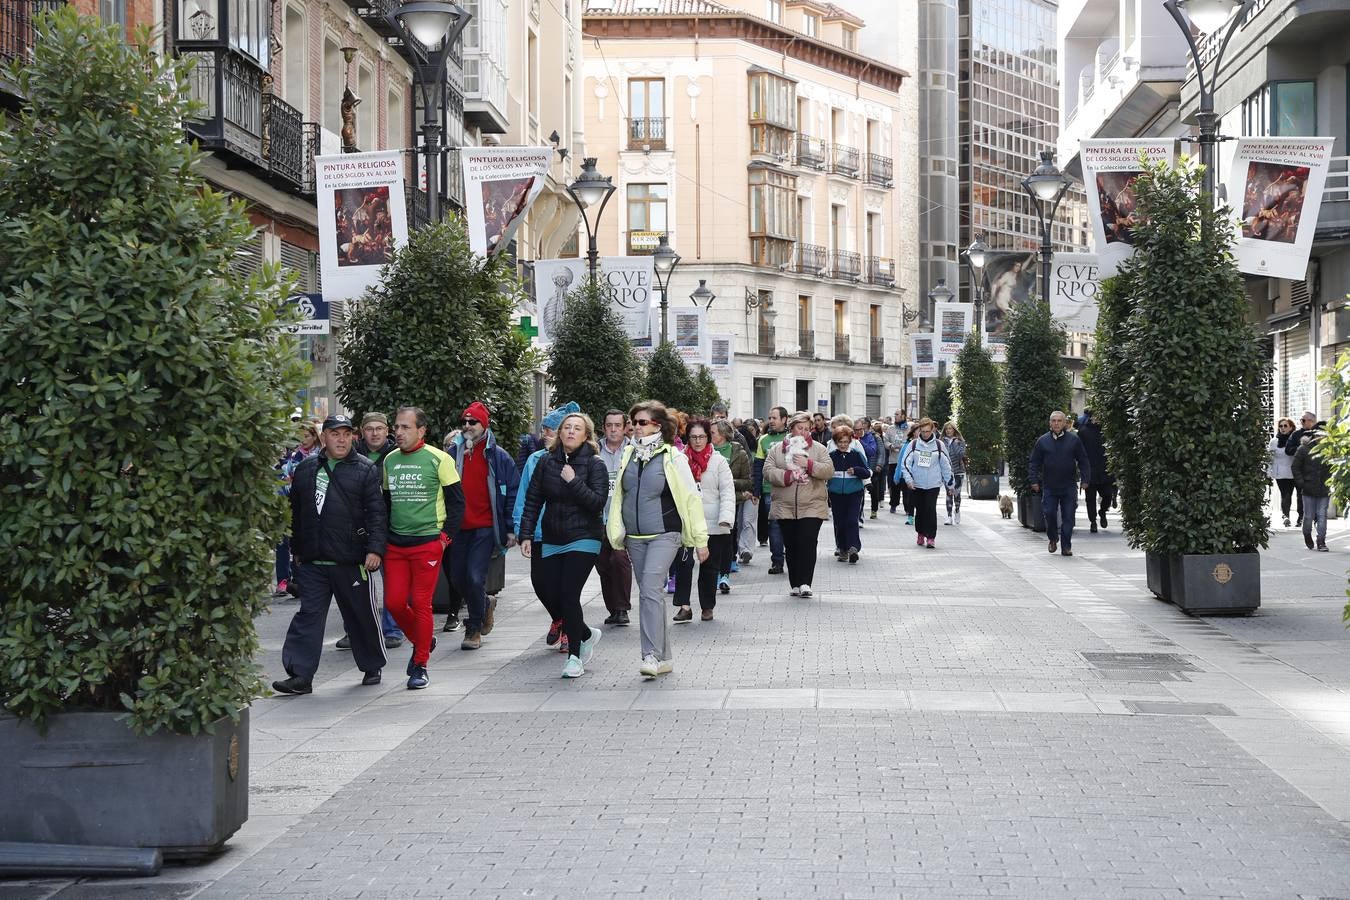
490,480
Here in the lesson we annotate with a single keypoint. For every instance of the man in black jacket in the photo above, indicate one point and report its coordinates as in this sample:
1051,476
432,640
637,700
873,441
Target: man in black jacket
1103,485
1051,472
340,525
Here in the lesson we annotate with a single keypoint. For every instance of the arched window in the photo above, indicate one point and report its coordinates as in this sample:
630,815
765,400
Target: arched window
365,113
334,81
295,53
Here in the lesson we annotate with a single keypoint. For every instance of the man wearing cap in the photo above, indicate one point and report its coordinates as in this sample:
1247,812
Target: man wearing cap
490,480
339,527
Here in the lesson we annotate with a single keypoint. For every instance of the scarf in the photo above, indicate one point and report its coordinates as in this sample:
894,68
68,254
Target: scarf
725,450
1283,438
644,448
698,461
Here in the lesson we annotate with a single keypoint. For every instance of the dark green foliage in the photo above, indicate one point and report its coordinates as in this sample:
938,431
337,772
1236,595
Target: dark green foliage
437,333
669,380
144,391
1108,374
592,360
977,392
1035,384
1191,403
708,395
1335,447
938,405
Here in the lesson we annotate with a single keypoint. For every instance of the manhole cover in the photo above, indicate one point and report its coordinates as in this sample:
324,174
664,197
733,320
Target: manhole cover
1140,675
1174,708
1166,662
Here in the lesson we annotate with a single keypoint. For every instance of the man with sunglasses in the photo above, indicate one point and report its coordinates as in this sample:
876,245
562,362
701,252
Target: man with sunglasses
490,480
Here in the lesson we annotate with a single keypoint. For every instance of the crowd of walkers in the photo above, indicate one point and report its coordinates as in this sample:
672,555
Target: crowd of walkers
671,502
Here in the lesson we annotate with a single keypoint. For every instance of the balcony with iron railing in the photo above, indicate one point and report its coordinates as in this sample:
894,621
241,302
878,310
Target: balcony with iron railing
808,259
845,264
811,153
283,142
845,160
806,343
880,170
880,271
647,133
17,33
229,89
877,351
841,348
766,343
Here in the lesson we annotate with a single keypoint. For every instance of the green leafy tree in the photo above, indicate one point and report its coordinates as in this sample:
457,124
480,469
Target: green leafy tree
669,381
1194,400
1108,375
1335,447
437,333
708,395
938,404
144,391
977,406
1035,384
592,360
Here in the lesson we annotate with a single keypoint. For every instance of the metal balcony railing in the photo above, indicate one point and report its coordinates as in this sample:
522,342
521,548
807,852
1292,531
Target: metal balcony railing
808,259
844,160
845,264
841,353
647,134
766,340
879,170
806,343
417,206
16,26
310,135
877,353
283,141
880,271
812,153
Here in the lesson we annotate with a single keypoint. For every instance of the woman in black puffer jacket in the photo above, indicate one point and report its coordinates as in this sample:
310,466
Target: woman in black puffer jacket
571,486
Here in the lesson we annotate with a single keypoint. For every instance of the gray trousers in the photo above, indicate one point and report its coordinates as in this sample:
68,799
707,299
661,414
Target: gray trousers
651,566
745,538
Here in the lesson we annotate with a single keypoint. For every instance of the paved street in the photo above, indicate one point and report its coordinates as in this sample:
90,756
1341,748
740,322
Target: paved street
975,721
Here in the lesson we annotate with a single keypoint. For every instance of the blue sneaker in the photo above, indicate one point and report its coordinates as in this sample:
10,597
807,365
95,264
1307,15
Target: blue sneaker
735,566
418,679
724,584
587,648
573,668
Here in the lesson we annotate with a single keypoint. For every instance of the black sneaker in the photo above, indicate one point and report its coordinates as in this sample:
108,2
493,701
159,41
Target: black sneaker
451,623
746,556
371,678
611,619
776,569
621,617
344,643
1092,527
418,678
1307,539
293,685
853,557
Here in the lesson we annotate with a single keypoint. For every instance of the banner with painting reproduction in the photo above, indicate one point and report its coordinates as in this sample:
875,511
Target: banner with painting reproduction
500,183
362,218
923,357
1275,185
1009,279
1110,169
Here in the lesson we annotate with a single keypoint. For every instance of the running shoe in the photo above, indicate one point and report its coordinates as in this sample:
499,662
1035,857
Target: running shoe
573,668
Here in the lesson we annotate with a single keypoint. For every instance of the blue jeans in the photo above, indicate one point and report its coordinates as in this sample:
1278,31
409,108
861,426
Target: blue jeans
1315,513
775,533
1060,508
470,554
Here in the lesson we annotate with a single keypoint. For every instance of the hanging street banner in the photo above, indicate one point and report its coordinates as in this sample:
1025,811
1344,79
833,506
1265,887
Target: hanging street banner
923,355
313,314
952,322
1010,279
1110,168
628,278
500,183
689,332
362,218
722,360
1276,184
1074,283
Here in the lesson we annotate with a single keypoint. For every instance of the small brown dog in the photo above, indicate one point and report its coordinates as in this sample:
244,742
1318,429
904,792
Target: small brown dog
1005,506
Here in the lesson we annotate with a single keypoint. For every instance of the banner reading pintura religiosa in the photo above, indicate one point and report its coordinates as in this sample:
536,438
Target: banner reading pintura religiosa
1275,185
500,183
1110,169
362,218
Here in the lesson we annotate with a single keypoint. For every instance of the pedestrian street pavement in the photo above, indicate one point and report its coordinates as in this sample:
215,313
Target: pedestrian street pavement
980,720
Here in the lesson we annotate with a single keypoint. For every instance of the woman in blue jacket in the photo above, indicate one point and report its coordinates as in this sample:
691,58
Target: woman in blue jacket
927,469
847,489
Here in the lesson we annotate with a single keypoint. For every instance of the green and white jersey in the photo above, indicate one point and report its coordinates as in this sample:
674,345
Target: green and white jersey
415,481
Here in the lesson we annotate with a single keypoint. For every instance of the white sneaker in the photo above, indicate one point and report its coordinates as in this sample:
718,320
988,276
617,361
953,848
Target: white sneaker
573,668
958,517
806,590
949,520
796,592
651,666
588,645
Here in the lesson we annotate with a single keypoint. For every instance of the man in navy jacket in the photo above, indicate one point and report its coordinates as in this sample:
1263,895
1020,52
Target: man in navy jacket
1051,472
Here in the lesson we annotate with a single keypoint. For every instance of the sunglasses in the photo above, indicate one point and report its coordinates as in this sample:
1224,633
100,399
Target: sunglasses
469,422
642,421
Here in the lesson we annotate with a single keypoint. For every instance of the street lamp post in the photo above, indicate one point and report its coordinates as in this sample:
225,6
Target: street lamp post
1046,187
664,261
703,295
435,25
976,255
1214,18
938,293
591,190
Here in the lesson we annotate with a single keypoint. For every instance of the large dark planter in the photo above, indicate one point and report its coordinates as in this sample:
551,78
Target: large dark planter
1030,512
91,780
1217,584
982,487
1159,575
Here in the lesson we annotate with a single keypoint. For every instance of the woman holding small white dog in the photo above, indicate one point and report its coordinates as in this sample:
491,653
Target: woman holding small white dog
798,470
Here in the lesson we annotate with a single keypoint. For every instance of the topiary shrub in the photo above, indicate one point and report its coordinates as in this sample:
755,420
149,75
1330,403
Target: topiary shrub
144,392
1108,375
938,403
669,381
1335,446
591,360
1035,384
437,333
708,394
977,406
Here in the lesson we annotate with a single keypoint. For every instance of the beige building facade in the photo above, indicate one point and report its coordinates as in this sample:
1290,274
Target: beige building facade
779,162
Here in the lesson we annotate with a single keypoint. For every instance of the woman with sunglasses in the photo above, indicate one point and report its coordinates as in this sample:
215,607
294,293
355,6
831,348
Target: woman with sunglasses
655,510
1281,468
570,484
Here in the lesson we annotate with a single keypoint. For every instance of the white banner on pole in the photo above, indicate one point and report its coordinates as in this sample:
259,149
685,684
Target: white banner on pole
362,218
722,360
1110,168
952,323
1276,184
628,279
500,183
1074,283
923,355
689,332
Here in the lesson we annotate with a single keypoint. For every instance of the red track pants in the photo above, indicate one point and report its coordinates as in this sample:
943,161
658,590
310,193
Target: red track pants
410,575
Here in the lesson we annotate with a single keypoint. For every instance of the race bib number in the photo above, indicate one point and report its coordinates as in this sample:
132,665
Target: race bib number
925,458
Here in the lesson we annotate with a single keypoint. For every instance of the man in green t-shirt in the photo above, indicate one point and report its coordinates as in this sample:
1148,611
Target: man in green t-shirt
774,427
426,504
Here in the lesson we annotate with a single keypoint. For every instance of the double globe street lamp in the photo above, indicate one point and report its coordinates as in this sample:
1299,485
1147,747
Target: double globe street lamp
1046,187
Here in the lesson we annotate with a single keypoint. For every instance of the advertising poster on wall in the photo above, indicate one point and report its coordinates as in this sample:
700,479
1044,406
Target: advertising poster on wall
923,355
362,218
628,279
1110,168
1074,283
500,183
952,323
1276,187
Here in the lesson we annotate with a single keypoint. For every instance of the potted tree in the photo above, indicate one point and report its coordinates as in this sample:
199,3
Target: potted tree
144,393
1192,403
938,403
592,332
977,411
1035,384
